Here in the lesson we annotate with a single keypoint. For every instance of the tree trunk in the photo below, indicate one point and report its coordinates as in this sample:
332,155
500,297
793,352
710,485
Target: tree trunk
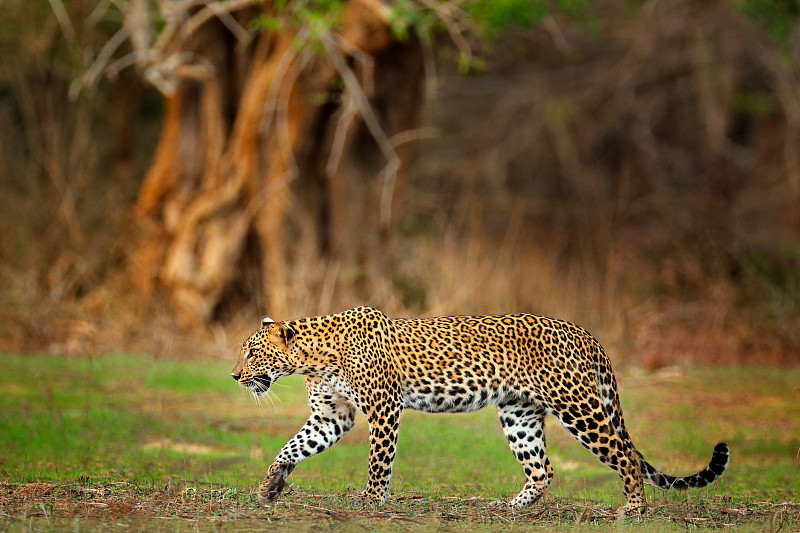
268,159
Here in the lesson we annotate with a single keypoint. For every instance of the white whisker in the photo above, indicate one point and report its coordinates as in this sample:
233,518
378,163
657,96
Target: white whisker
278,398
269,399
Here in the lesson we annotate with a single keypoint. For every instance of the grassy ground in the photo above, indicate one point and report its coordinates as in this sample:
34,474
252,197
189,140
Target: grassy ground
164,445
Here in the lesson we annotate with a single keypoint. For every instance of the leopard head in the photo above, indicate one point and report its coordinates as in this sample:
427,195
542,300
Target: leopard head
266,356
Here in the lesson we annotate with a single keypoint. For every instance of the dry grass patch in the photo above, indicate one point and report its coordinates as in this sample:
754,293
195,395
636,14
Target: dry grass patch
220,504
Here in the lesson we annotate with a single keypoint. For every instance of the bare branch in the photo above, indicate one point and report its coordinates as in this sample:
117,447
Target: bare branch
139,25
166,73
221,10
285,62
389,176
414,135
348,113
361,102
63,19
96,69
283,113
366,61
98,12
453,18
128,60
360,98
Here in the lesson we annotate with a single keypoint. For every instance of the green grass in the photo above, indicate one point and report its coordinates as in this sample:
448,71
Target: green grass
157,427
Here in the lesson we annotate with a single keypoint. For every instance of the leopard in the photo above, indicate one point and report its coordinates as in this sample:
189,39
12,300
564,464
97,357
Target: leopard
528,366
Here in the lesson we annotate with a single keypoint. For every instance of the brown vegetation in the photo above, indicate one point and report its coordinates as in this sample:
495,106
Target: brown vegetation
642,180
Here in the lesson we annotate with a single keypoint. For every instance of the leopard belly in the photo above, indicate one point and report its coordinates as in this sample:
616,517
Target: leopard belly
450,398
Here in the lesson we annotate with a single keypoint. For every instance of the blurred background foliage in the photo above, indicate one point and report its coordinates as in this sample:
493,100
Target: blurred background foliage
631,166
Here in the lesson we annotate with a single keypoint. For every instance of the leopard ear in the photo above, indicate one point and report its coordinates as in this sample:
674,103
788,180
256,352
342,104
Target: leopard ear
281,336
266,321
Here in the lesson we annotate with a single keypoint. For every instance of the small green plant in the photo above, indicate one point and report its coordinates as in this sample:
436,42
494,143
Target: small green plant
486,19
779,17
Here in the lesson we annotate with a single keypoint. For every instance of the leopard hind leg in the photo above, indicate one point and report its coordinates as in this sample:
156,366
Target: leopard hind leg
591,426
523,426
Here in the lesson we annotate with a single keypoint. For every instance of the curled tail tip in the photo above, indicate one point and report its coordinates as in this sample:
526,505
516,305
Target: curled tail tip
722,449
716,467
720,458
719,463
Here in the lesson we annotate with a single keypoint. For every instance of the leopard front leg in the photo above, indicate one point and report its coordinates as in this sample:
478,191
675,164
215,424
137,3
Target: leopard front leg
384,427
330,419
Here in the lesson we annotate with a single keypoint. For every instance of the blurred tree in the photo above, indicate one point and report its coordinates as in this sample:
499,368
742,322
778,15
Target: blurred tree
280,143
285,139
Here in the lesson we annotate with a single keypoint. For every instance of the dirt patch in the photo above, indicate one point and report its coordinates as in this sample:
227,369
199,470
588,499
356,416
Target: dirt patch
190,448
32,490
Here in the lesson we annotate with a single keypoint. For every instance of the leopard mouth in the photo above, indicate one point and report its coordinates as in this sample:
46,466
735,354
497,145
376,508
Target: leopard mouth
259,385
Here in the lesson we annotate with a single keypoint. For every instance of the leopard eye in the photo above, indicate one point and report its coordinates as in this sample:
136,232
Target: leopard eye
250,354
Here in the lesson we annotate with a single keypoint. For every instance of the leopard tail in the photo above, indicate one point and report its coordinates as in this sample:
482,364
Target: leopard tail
607,386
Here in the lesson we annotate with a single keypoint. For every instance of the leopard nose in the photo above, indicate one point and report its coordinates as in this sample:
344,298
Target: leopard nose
235,376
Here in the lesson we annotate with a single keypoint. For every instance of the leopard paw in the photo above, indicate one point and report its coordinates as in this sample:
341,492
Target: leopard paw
273,485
